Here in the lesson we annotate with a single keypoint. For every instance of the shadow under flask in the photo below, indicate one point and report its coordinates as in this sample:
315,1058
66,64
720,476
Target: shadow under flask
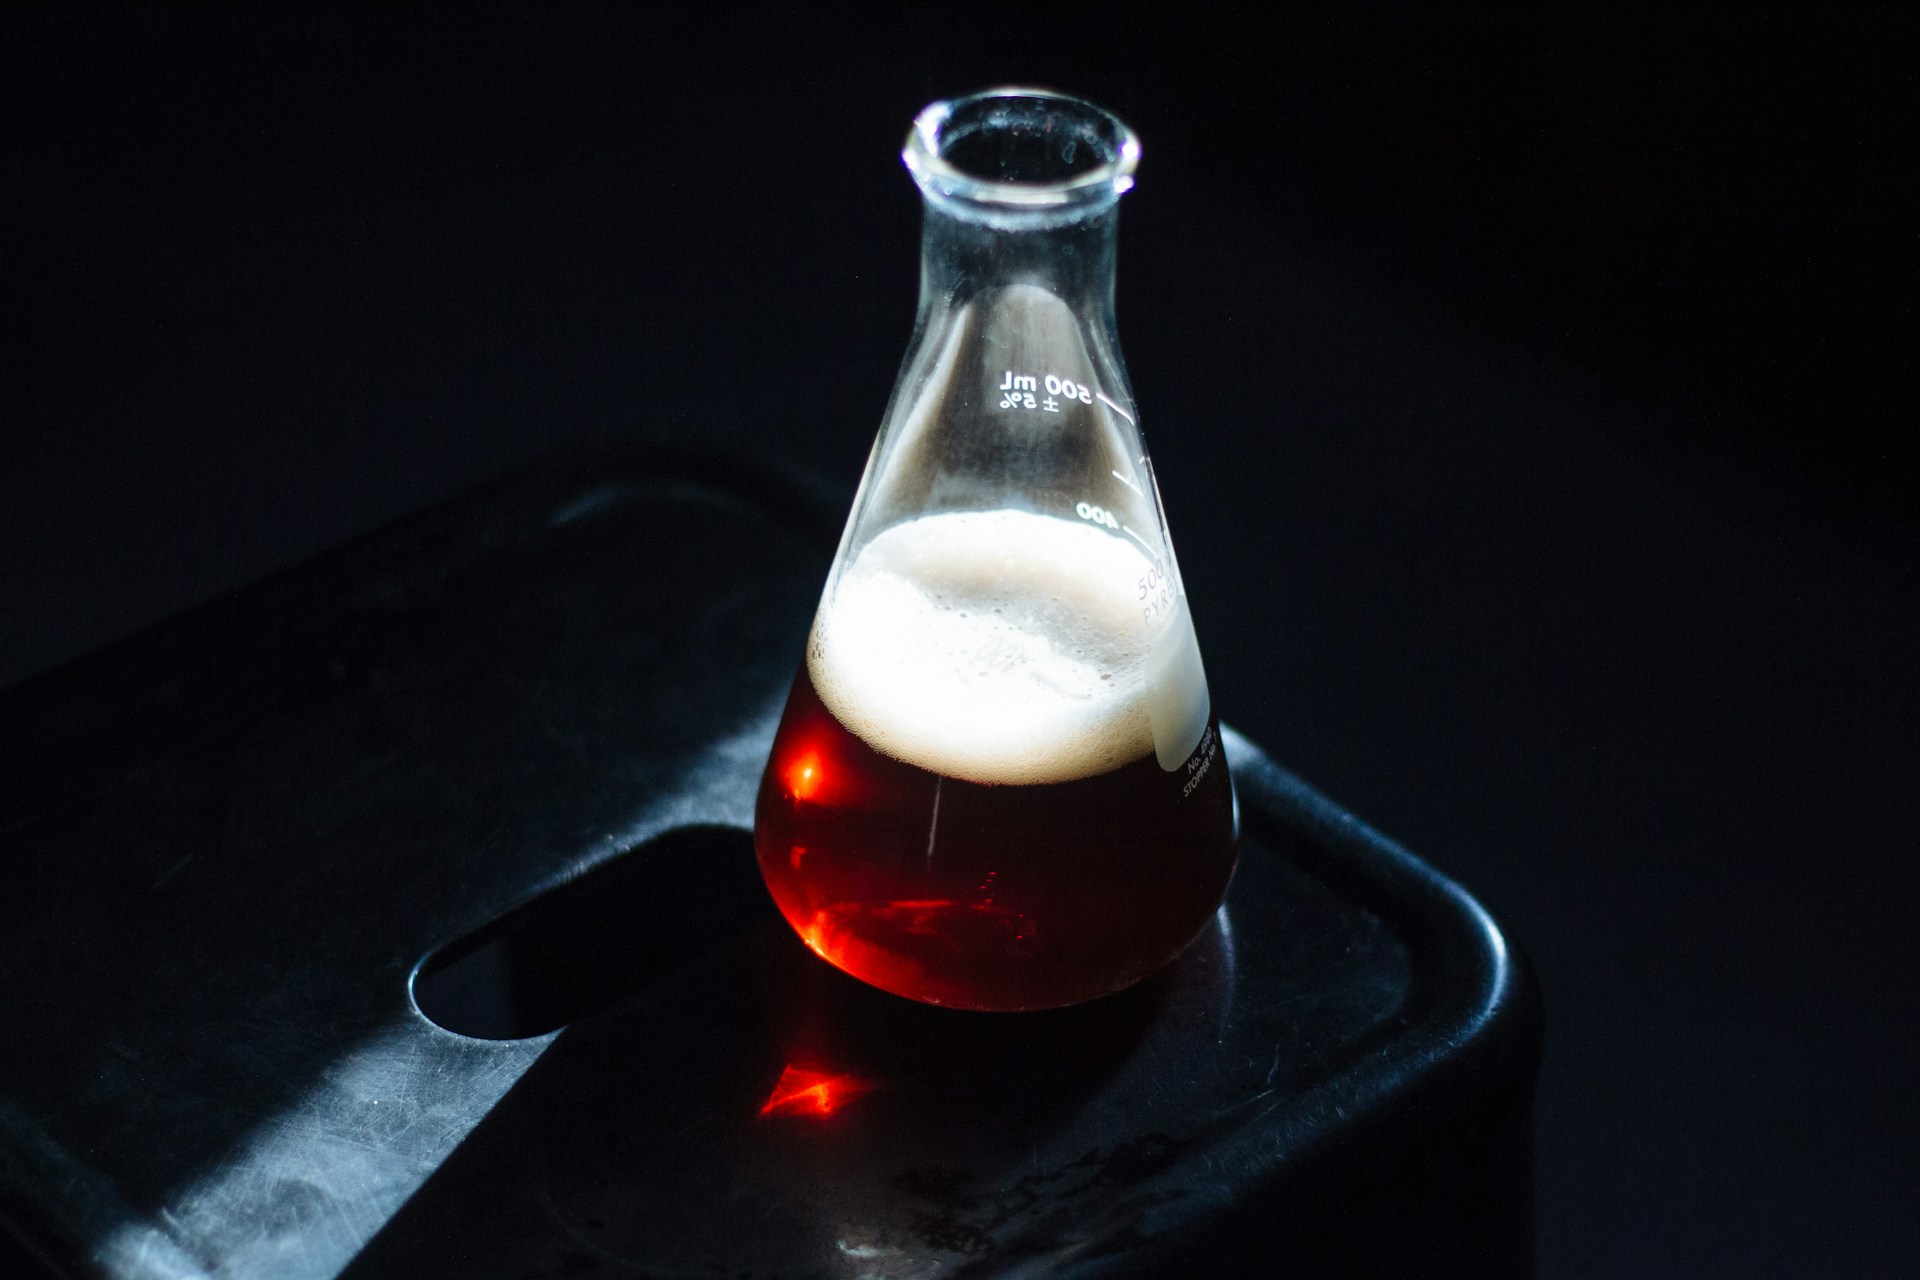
998,782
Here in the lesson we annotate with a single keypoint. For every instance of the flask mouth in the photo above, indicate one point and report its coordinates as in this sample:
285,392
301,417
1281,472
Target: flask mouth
1030,155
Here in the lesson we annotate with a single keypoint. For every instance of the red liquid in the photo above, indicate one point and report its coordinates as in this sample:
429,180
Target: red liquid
988,897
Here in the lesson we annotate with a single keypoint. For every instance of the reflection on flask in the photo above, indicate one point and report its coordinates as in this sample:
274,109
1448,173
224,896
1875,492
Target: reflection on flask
998,782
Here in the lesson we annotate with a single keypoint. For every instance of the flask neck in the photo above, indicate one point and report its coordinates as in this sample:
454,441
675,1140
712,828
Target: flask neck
1022,188
962,257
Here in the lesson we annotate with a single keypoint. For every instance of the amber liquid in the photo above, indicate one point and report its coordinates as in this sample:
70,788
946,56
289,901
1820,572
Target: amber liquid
988,896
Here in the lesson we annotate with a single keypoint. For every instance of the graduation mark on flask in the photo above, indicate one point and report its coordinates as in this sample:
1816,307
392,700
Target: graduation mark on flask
1022,391
1155,590
1098,514
1102,396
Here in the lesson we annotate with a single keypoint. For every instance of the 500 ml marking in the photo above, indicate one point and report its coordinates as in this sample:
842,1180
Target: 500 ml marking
1156,595
1021,391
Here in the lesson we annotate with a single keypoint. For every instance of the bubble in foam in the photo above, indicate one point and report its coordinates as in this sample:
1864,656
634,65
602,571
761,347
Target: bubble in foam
996,646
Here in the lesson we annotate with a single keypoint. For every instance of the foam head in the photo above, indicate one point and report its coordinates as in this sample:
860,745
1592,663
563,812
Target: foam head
995,646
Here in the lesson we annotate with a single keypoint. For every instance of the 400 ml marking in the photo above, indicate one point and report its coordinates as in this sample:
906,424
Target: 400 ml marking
1156,590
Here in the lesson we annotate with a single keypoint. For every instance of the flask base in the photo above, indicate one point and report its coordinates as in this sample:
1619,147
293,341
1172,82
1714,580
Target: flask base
986,897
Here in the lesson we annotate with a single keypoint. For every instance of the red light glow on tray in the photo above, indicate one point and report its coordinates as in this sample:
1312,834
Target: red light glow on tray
800,1092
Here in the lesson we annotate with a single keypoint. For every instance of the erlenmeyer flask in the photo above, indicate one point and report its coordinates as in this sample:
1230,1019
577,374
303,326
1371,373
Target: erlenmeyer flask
998,783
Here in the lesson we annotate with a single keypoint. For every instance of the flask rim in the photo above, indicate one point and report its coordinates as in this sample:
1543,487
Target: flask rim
942,125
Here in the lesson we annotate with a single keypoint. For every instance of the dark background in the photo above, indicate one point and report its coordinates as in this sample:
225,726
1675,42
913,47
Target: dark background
1527,391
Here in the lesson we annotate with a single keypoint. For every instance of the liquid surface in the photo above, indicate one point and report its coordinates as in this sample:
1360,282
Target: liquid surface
964,803
997,646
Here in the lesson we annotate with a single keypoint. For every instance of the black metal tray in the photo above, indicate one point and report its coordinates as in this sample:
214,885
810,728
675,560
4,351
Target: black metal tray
227,844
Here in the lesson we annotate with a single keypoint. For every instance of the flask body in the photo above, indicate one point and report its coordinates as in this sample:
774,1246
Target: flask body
998,895
999,783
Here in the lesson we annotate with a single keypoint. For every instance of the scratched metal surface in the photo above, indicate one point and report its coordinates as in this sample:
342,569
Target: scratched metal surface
229,841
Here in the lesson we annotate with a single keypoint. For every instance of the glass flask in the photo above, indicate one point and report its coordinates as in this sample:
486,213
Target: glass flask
998,783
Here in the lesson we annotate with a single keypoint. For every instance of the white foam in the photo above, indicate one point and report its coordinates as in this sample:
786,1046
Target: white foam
997,646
